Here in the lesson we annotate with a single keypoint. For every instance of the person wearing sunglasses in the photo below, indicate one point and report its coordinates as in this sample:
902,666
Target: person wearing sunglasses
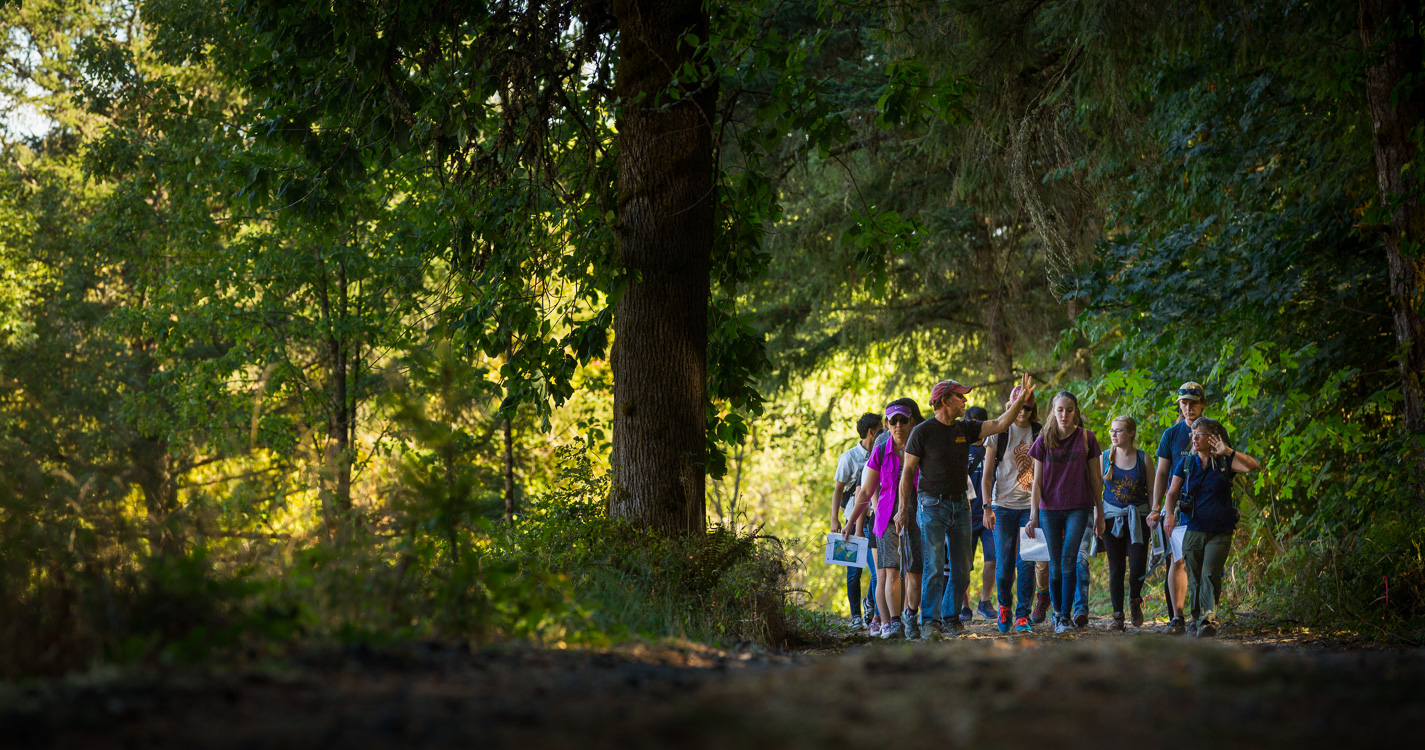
1202,489
1173,447
1008,477
937,457
880,481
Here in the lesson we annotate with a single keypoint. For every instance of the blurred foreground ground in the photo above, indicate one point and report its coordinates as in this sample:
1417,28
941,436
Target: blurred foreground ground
1255,687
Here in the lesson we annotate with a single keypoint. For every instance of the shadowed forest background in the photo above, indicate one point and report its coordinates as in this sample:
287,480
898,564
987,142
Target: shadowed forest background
332,320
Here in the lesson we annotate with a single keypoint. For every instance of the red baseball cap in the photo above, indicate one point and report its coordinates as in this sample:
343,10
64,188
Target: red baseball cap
944,386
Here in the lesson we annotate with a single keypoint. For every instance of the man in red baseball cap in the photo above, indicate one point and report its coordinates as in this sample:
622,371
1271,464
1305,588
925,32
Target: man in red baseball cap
939,450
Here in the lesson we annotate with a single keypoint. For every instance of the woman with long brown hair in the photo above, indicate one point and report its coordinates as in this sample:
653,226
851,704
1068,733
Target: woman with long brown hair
1065,493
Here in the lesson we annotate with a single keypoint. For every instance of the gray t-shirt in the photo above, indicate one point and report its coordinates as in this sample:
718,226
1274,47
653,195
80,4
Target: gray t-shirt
1014,471
849,466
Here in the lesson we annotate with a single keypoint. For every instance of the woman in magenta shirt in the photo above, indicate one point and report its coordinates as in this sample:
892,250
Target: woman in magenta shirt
881,480
1065,493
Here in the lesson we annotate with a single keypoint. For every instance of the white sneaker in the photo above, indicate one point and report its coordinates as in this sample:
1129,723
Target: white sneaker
856,623
894,630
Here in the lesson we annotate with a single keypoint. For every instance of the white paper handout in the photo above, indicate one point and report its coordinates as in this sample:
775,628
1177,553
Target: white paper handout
853,552
1033,550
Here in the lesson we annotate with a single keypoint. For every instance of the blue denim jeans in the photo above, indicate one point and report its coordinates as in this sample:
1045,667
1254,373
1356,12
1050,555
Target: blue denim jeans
853,591
943,520
1081,569
1008,522
1064,531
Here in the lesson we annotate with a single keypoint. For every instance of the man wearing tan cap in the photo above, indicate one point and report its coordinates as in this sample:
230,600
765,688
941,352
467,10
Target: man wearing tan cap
939,450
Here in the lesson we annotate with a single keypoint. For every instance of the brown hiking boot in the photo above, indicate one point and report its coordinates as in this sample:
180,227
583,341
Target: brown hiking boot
1135,609
1117,623
1041,607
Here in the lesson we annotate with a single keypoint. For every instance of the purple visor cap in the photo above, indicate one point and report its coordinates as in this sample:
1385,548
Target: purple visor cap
897,410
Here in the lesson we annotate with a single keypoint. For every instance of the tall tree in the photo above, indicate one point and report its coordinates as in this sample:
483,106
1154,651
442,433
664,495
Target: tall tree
665,230
1393,32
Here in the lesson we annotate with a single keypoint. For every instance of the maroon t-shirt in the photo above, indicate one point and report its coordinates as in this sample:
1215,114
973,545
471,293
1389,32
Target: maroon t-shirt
1064,480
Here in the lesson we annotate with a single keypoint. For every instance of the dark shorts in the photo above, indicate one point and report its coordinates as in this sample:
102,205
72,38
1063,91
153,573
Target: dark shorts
900,551
986,539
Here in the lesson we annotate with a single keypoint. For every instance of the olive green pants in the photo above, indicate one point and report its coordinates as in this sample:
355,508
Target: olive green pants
1206,556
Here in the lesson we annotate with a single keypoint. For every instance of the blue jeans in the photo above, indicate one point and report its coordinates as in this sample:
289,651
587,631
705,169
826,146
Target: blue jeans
1064,531
1081,569
941,520
1008,522
853,590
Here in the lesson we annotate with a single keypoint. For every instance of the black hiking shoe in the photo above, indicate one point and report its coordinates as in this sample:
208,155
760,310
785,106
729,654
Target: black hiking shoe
1175,626
1135,610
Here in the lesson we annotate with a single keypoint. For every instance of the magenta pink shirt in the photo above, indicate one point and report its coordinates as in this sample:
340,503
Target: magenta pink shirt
884,460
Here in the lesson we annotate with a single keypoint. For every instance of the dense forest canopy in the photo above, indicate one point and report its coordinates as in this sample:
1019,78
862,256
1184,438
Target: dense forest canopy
472,319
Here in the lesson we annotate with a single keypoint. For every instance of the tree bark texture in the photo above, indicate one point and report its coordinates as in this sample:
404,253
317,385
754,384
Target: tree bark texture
509,431
999,337
341,402
665,233
153,475
1397,109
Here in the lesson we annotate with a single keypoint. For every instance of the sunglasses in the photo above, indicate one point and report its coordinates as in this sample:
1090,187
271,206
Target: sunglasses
1190,392
898,420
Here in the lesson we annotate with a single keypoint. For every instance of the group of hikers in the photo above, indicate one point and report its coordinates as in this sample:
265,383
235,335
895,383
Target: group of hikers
925,491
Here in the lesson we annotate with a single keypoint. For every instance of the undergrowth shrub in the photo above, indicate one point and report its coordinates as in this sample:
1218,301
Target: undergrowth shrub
626,580
562,573
1371,580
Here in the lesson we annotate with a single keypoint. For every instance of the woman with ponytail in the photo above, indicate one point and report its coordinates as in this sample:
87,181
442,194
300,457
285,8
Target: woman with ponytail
1125,511
1066,491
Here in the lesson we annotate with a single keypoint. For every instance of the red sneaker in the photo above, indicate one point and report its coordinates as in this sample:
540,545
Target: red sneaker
1003,621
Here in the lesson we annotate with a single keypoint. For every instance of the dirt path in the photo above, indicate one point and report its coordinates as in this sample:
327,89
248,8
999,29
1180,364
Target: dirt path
1097,689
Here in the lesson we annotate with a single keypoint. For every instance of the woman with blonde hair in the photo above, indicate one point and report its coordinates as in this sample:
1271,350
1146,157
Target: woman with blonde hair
1065,494
1125,512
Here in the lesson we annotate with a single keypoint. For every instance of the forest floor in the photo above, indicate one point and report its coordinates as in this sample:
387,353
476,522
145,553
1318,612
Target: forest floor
1257,686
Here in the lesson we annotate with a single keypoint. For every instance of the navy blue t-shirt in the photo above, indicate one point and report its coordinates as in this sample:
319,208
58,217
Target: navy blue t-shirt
1175,443
1209,487
1130,487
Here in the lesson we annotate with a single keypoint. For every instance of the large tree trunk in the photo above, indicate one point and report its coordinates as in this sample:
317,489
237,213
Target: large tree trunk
999,337
665,233
153,475
1392,27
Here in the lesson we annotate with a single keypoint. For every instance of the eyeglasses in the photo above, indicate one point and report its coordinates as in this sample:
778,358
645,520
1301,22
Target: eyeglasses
1202,435
1190,392
898,420
1118,430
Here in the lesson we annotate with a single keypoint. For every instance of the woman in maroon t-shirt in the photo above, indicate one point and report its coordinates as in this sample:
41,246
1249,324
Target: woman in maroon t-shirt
1066,488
